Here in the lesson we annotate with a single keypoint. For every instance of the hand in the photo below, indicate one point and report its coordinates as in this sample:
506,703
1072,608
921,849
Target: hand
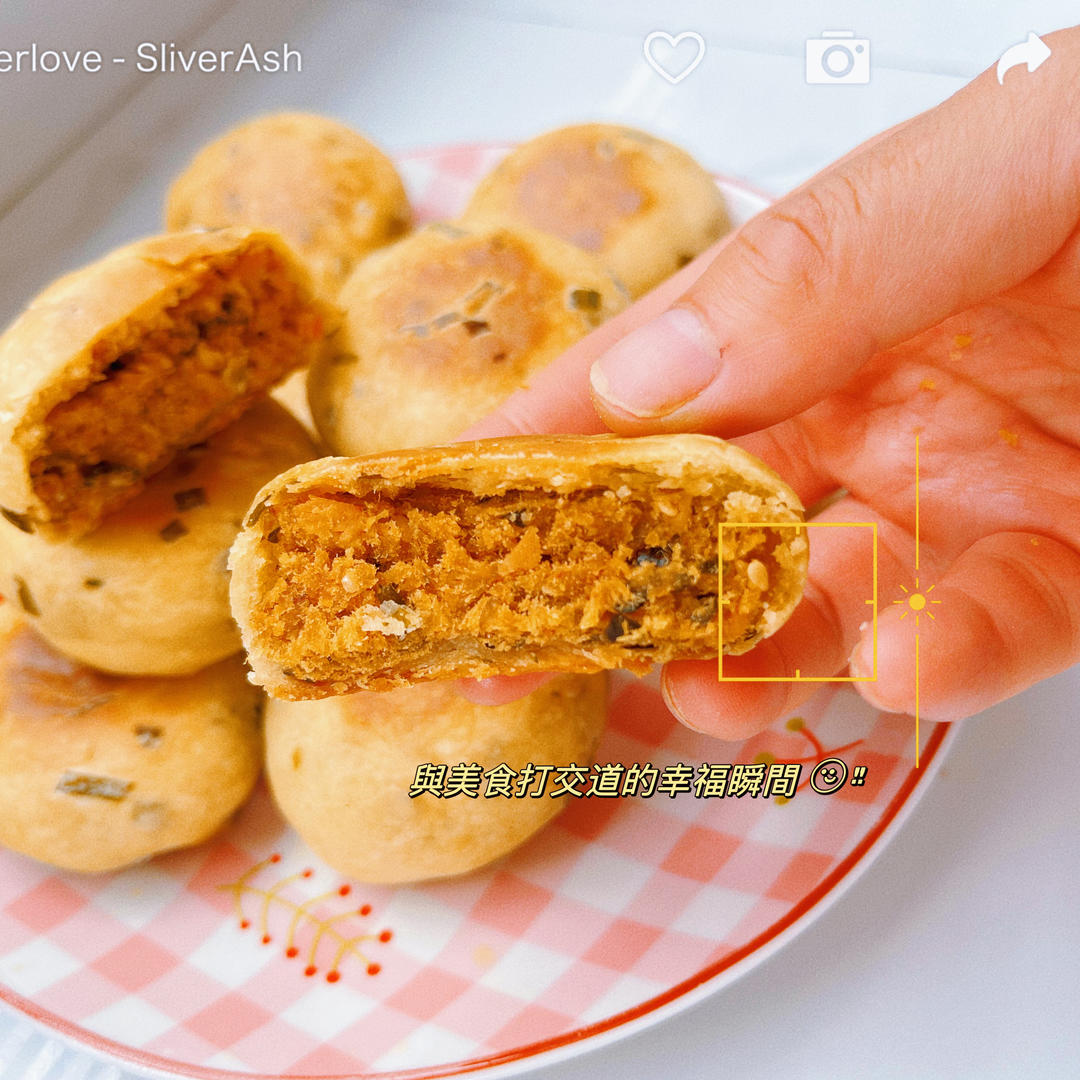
928,282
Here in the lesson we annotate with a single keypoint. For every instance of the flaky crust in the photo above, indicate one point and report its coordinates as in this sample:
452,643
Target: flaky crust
147,592
698,466
643,206
98,772
330,192
341,772
444,325
46,354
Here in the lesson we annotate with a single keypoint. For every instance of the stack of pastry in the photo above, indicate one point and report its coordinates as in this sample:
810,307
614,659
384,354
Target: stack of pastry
437,329
362,586
136,432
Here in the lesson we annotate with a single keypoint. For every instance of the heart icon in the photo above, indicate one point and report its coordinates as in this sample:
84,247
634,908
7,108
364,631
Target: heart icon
662,51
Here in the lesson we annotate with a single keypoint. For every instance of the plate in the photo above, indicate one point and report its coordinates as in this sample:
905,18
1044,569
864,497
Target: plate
248,957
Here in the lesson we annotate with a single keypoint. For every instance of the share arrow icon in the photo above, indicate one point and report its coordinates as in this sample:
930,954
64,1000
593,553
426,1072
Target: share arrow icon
1031,52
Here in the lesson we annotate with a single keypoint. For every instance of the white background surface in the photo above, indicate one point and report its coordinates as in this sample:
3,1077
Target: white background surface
956,954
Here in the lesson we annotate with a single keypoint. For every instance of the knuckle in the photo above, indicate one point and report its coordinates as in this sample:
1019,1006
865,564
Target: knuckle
1050,604
1004,639
798,244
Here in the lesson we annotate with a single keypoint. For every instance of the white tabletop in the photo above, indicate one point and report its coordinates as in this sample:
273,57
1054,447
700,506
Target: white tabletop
955,955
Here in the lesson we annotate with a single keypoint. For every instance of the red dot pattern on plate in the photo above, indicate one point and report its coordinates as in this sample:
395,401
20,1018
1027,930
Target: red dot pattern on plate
310,924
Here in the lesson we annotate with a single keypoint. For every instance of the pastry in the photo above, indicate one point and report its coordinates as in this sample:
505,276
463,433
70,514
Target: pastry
147,593
443,326
351,774
333,195
567,553
116,367
98,772
641,205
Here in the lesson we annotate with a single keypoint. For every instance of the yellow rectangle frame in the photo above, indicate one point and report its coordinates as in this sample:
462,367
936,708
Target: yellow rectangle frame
798,676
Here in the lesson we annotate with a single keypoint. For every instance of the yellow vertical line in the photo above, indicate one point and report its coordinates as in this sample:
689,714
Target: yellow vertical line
720,600
875,607
917,530
916,701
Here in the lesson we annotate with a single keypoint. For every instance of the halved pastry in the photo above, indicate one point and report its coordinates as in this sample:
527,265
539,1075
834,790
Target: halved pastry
562,553
118,366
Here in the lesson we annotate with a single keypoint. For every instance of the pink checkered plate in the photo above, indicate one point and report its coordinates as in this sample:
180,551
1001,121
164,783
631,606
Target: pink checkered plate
248,957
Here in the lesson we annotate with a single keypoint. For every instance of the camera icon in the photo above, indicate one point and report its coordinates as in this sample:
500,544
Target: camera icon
838,56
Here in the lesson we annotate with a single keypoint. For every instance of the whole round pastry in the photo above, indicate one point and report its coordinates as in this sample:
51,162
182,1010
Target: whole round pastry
641,205
98,772
330,192
342,771
147,593
444,325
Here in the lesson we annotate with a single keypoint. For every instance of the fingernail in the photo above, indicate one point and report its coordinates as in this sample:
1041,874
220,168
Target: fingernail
673,705
658,367
854,662
861,666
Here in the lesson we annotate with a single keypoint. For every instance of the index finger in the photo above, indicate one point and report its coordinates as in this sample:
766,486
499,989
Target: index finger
876,248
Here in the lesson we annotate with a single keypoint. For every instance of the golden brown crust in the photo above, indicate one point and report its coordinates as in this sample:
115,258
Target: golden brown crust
97,772
65,348
331,193
147,592
341,771
446,324
571,553
641,205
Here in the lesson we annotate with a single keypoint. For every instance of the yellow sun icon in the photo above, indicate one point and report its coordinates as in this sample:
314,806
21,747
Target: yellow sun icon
917,601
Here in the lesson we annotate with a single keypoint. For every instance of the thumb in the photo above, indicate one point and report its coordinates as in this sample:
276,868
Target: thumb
955,206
